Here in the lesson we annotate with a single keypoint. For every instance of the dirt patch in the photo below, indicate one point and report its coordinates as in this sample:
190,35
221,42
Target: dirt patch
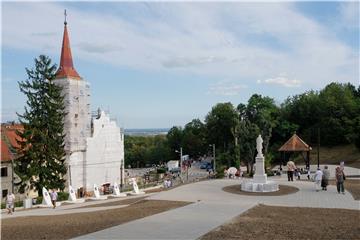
267,222
283,190
352,185
115,203
72,225
155,190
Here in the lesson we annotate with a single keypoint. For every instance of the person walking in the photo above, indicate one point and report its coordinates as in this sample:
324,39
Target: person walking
54,197
10,199
308,173
291,168
318,178
340,177
325,178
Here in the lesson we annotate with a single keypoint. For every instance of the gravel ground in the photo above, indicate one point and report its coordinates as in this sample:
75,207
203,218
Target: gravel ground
283,190
115,203
72,225
267,222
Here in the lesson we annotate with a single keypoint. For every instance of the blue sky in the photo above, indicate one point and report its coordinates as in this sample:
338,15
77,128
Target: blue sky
159,64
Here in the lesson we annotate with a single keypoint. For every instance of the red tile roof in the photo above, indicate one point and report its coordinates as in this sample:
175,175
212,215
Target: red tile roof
8,140
66,68
295,144
5,152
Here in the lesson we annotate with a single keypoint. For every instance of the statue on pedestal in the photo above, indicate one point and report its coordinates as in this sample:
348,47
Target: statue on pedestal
259,146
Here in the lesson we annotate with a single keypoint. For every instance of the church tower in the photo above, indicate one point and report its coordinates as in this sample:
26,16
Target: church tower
77,122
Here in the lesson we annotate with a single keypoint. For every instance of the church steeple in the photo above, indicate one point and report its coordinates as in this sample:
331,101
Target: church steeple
66,68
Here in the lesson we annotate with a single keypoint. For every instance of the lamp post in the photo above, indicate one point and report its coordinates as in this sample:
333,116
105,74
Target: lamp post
181,153
121,175
214,161
318,148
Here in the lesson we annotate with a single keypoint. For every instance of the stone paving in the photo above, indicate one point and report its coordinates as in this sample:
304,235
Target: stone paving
212,207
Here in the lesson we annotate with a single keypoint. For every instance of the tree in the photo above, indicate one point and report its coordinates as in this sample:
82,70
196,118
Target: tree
263,112
194,138
220,124
41,148
175,137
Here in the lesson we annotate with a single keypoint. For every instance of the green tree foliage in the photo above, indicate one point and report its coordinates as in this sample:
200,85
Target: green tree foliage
144,151
175,138
221,122
340,109
335,110
194,138
42,155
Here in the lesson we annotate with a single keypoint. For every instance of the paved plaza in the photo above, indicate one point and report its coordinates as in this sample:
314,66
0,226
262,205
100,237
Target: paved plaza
210,208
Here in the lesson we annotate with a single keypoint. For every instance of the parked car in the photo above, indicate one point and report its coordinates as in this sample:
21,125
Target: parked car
206,165
175,170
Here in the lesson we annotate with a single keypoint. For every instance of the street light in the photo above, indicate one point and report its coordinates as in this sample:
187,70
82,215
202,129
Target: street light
180,158
214,164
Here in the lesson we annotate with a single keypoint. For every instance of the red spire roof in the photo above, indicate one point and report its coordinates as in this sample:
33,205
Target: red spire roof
66,68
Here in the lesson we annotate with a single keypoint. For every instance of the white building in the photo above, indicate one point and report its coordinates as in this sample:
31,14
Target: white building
94,146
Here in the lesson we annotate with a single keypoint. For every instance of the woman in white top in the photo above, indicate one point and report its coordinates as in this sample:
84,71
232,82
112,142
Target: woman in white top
318,178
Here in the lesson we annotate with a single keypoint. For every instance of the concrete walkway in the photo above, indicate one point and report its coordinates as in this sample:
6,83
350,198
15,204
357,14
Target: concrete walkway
212,207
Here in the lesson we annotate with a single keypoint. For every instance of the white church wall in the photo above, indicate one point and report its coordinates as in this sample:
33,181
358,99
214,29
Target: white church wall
105,152
77,127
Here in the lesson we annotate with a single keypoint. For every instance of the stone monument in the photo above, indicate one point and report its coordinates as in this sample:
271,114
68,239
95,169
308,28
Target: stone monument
46,202
116,192
135,187
259,183
72,197
97,194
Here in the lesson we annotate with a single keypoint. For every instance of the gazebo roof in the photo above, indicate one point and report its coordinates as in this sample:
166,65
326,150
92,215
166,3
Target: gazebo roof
295,144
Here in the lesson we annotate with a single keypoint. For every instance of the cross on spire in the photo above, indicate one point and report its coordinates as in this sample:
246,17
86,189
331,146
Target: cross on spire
65,16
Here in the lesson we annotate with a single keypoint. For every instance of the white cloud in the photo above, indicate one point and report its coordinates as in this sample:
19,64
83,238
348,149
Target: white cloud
212,39
282,80
349,12
226,88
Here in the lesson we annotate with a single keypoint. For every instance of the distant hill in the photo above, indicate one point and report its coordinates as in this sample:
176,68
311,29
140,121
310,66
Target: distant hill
334,155
146,131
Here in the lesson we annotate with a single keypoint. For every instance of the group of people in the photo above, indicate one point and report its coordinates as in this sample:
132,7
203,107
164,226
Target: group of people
10,201
322,179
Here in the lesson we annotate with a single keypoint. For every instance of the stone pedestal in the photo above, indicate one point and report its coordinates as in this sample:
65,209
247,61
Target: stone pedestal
259,183
260,176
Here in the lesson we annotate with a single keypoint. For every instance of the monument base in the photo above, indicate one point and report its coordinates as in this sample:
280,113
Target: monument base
135,194
253,186
260,178
44,205
119,195
98,198
80,200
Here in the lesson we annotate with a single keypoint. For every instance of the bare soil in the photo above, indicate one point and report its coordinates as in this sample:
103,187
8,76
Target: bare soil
72,225
115,203
267,222
283,190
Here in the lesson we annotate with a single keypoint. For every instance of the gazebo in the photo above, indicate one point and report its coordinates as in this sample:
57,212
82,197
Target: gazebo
296,144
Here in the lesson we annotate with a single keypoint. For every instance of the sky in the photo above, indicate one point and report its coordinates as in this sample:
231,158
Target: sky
162,64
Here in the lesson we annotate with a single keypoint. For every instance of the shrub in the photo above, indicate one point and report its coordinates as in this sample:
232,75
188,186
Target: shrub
39,200
161,170
62,196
